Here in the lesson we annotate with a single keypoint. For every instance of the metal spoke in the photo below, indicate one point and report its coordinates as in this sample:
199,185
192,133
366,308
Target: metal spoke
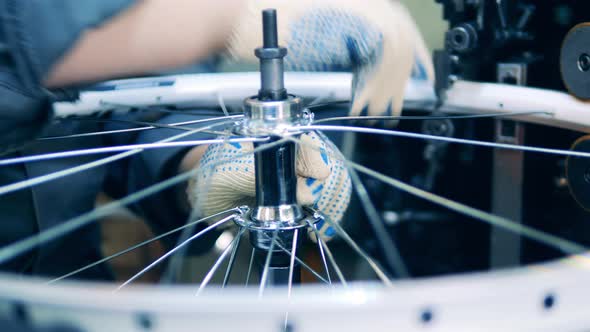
118,148
376,268
13,250
157,125
222,103
157,109
128,130
323,255
139,245
566,246
235,242
157,261
176,262
388,246
291,270
329,255
96,133
230,265
250,266
317,104
444,139
22,246
531,233
449,117
133,122
232,258
300,261
267,264
292,262
101,162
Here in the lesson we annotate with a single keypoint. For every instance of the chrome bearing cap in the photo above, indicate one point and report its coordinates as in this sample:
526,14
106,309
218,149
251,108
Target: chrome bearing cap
268,117
280,218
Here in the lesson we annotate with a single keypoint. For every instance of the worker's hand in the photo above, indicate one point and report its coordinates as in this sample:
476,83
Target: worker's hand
376,40
226,180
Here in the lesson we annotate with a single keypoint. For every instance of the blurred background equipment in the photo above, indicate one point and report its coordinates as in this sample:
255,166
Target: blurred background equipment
575,61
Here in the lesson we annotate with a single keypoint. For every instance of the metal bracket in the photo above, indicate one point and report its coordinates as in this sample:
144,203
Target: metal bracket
508,175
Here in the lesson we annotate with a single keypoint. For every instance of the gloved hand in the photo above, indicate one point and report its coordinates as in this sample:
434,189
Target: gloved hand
377,41
225,181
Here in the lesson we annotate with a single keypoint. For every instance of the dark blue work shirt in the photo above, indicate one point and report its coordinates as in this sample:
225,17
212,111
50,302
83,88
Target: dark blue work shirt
34,35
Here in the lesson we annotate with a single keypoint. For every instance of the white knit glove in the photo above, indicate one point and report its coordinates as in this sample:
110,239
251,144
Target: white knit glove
377,40
225,181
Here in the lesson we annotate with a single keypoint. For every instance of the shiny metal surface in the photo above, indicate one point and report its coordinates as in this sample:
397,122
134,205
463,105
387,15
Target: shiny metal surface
575,61
506,300
282,218
264,117
282,213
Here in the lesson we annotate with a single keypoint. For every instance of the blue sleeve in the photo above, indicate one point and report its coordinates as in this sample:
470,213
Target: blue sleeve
154,165
163,211
37,33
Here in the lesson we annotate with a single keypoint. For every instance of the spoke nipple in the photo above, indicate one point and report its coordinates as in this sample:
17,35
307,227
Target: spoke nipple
308,117
318,215
242,210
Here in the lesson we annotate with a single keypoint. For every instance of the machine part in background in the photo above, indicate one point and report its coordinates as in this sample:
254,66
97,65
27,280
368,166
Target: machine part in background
513,73
508,177
575,61
435,151
462,38
444,65
460,173
578,173
518,43
507,193
485,33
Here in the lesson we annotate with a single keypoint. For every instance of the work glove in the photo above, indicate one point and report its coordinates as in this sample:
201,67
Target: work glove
225,179
376,40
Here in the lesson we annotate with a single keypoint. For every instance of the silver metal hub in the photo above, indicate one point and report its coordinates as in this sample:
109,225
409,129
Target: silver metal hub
282,218
268,117
266,223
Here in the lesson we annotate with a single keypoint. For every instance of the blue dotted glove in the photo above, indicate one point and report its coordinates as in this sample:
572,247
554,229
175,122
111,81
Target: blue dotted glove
226,180
377,41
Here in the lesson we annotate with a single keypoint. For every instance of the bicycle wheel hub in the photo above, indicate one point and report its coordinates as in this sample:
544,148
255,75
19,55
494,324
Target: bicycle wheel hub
282,218
274,223
263,117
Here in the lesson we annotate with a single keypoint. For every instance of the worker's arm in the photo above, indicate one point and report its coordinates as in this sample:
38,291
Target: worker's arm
64,42
151,35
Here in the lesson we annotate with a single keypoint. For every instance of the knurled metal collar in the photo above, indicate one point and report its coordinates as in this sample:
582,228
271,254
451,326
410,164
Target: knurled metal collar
280,218
267,117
